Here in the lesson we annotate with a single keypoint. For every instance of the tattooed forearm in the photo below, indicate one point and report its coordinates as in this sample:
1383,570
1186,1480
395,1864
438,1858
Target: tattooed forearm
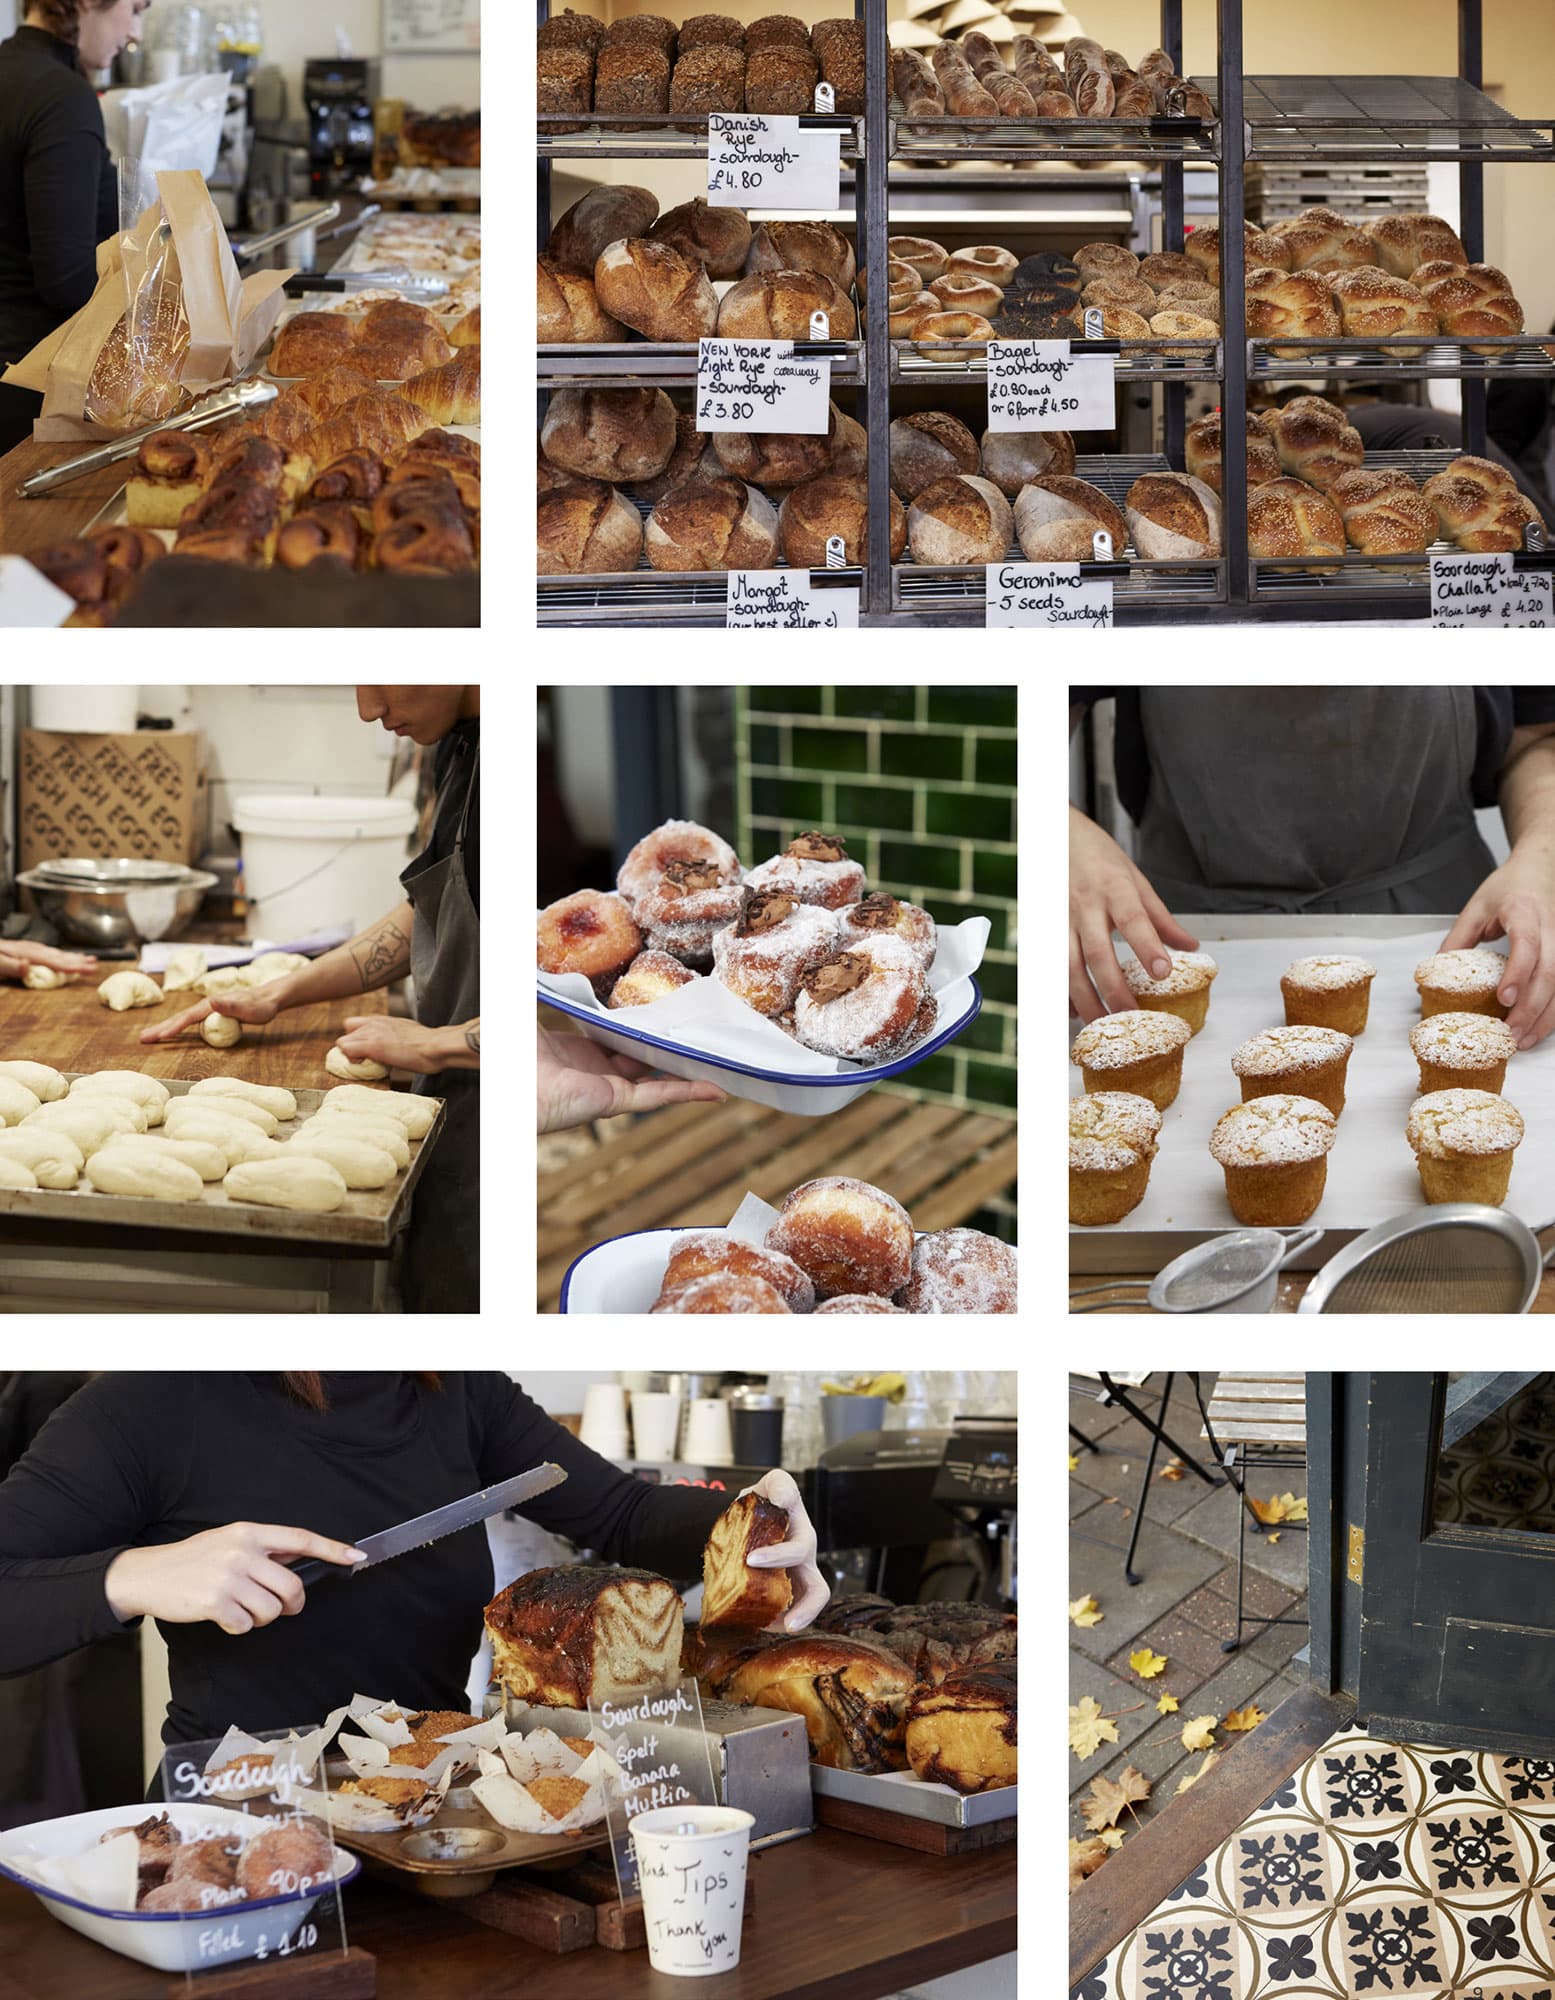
472,1038
381,954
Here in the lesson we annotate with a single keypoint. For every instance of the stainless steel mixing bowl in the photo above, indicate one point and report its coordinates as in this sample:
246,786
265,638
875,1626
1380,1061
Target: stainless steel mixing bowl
118,902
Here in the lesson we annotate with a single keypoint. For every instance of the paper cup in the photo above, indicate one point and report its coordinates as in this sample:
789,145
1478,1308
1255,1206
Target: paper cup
604,1419
708,1440
655,1425
691,1870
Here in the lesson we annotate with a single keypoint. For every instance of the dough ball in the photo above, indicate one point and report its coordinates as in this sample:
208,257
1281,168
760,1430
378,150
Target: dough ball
221,1031
338,1063
42,977
129,989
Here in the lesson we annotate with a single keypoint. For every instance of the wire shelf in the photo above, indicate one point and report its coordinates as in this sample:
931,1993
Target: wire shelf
1430,358
947,361
660,364
1038,139
660,135
1382,117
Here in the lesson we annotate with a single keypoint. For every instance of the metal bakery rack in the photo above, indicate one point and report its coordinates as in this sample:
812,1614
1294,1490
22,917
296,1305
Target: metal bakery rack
1274,140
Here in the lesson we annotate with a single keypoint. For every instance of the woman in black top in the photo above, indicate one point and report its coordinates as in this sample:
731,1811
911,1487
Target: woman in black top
159,1496
59,195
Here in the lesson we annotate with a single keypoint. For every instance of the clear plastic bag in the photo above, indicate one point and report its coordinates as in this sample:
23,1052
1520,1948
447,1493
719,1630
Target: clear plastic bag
136,379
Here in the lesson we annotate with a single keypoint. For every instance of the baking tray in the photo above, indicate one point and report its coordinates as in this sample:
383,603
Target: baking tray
900,1792
367,1217
483,1848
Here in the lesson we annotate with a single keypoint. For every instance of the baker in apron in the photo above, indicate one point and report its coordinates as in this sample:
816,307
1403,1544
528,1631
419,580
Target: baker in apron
1323,800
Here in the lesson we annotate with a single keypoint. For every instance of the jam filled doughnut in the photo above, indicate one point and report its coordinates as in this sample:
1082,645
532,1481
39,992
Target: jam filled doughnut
850,1237
649,977
816,869
868,1003
858,1302
723,1292
682,910
775,940
883,915
591,933
703,1253
960,1271
675,840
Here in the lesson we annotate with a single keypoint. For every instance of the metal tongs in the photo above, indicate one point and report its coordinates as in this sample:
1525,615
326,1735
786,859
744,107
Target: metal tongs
246,249
228,401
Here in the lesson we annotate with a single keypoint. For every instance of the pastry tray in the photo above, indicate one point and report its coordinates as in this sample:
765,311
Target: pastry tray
900,1792
462,1849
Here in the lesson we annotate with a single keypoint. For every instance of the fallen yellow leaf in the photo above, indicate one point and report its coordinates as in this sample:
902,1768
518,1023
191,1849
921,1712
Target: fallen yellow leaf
1193,1777
1283,1507
1111,1837
1167,1705
1110,1798
1271,1539
1085,1857
1173,1469
1083,1611
1199,1734
1147,1664
1074,1461
1089,1729
1244,1718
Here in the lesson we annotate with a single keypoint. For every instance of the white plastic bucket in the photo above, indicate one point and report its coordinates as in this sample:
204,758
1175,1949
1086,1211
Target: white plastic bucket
95,711
312,862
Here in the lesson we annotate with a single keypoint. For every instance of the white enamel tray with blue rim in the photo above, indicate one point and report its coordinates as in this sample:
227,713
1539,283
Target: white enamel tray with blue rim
166,1940
804,1092
625,1274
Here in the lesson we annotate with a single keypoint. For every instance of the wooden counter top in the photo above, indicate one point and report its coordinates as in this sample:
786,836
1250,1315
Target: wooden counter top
840,1918
26,525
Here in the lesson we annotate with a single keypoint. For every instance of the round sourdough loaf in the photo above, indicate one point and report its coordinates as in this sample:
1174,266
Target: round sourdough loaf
603,216
612,434
587,526
963,519
711,524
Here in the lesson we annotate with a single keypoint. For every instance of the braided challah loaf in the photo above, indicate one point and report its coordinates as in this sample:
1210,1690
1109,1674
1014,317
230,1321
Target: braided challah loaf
1384,512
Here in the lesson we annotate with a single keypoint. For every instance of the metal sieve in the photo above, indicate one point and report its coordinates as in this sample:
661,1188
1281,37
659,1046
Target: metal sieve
1456,1257
1236,1272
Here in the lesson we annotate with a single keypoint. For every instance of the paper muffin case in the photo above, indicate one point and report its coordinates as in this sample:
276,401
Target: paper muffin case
500,1789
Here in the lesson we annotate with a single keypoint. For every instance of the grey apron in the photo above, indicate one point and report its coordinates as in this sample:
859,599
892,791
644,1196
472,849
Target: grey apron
440,1257
1323,799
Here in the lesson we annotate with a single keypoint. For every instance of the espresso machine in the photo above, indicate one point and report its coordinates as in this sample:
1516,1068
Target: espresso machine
338,93
977,1481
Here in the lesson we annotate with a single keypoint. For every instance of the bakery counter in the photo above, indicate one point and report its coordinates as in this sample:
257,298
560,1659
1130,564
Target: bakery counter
29,525
835,1918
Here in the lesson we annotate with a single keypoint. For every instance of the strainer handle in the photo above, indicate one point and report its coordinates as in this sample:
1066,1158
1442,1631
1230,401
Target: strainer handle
1549,1256
1140,1285
1303,1240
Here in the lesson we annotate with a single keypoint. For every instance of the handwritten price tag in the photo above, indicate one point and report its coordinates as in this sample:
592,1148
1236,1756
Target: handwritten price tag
1047,594
1485,591
771,162
783,600
762,385
1039,385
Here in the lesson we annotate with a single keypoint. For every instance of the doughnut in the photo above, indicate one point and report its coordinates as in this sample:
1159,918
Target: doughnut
649,977
865,1003
675,840
881,915
722,1292
815,868
850,1237
286,1858
960,1271
858,1302
703,1253
591,933
776,939
685,907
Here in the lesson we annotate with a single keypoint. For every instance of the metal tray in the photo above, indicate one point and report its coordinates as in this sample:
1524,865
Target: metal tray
476,1848
900,1792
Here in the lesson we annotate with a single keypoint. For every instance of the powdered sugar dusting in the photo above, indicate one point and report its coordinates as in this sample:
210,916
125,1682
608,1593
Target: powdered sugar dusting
1476,971
1328,975
1279,1131
960,1271
1279,1049
1111,1131
1463,1041
1191,972
1119,1039
834,883
874,1017
1449,1123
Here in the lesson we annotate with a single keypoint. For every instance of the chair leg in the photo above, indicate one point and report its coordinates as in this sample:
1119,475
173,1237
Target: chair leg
1144,1492
1233,1644
1082,1440
1186,1457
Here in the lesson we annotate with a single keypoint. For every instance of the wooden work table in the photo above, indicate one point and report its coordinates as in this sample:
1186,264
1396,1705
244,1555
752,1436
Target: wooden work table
27,525
837,1918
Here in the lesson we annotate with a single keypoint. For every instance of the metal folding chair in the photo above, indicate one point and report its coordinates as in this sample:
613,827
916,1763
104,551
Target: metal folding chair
1114,1389
1261,1424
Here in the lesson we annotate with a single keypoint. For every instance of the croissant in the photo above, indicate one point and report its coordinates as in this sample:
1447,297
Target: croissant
321,394
446,444
450,394
395,348
380,422
329,533
467,331
406,311
310,344
434,543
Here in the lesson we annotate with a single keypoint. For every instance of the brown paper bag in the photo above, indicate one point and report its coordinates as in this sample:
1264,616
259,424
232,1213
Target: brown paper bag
169,320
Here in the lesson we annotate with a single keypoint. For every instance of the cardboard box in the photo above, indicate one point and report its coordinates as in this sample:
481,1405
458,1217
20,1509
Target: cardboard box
140,797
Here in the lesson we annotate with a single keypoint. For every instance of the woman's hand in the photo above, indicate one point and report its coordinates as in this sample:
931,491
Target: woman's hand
17,954
796,1554
254,1007
1517,902
399,1043
580,1081
227,1576
1108,893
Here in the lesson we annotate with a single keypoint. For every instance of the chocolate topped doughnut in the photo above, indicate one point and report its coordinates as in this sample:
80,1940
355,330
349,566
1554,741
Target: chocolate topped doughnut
960,1271
590,933
675,840
849,1236
883,915
864,1003
814,867
690,902
775,940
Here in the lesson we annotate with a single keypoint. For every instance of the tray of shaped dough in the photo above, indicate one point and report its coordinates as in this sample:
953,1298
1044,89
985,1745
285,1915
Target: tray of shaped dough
213,1156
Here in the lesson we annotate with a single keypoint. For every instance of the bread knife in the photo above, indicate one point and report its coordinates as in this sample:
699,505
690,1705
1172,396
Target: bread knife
427,1528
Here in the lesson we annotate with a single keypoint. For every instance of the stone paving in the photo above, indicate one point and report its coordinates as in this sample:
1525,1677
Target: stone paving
1184,1605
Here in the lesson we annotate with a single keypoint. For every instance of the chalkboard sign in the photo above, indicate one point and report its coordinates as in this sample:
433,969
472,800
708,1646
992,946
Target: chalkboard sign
431,27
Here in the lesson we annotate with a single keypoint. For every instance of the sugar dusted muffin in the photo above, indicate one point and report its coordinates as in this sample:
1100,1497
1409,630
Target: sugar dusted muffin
1463,1142
1274,1153
1328,993
1112,1141
1461,982
1462,1051
1311,1062
1183,992
1133,1051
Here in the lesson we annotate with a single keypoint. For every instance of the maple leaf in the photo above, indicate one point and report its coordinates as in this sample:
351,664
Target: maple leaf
1271,1539
1199,1734
1085,1857
1083,1611
1283,1507
1167,1705
1111,1837
1244,1718
1147,1664
1173,1469
1089,1729
1110,1798
1193,1777
1074,1461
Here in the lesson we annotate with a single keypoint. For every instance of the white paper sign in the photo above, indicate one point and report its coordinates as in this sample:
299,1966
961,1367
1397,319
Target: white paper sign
1047,594
1485,591
1039,385
783,600
770,162
28,598
762,385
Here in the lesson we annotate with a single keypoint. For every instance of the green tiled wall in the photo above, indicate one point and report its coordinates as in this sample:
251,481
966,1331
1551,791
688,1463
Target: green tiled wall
920,782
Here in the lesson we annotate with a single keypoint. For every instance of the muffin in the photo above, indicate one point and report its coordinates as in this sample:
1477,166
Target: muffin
1461,982
1463,1142
1183,992
1112,1141
1328,993
1306,1061
1274,1152
1462,1051
1136,1052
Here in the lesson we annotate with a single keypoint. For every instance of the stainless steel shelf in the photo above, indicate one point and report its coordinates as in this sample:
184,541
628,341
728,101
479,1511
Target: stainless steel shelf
659,135
1431,358
1383,117
939,362
1042,139
636,363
